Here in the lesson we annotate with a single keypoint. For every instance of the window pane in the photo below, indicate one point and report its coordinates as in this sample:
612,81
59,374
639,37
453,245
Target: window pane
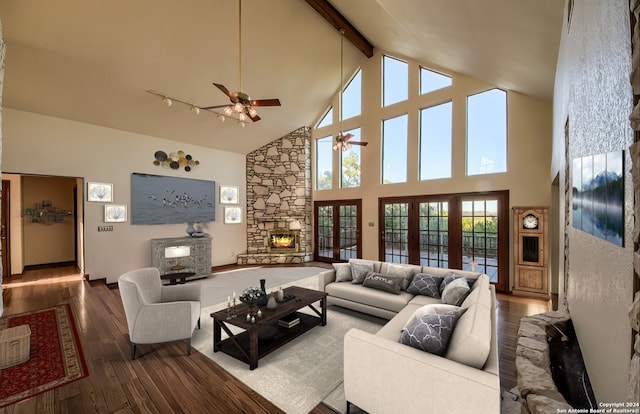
348,232
487,132
325,231
394,150
435,142
327,119
352,97
396,231
324,156
395,81
480,237
434,234
431,81
350,163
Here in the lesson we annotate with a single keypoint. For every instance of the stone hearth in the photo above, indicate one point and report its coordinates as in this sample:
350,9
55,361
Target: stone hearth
279,197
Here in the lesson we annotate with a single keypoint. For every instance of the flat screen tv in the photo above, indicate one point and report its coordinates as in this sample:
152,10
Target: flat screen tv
157,199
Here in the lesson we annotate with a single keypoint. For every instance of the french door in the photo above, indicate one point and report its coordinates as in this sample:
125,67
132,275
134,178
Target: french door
461,231
337,232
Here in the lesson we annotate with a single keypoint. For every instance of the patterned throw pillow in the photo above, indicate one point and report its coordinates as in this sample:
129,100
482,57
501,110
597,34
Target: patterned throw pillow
455,292
343,272
387,283
430,333
425,284
448,279
434,308
359,272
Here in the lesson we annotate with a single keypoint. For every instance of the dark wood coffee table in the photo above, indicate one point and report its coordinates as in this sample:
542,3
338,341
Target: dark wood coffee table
265,335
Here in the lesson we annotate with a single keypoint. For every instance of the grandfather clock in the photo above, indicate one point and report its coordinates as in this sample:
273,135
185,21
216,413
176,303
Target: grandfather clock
531,251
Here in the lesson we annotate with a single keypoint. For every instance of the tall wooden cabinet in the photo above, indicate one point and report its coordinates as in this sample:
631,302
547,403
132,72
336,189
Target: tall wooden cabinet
531,251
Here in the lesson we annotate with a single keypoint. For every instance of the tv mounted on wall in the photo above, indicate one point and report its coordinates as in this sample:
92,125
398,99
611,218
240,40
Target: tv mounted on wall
157,199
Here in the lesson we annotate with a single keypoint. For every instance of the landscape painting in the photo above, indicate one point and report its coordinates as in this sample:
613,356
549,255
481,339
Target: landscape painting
598,196
158,199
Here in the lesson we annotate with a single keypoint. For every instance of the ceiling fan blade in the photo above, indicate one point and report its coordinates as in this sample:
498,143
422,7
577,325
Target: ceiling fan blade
226,91
346,137
254,118
364,144
266,102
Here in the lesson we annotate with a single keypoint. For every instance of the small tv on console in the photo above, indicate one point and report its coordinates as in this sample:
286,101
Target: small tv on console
157,199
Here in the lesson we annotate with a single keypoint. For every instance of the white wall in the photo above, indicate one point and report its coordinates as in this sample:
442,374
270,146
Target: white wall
44,145
528,149
593,91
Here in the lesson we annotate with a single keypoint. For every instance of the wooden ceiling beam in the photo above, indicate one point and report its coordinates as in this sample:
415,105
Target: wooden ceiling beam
337,20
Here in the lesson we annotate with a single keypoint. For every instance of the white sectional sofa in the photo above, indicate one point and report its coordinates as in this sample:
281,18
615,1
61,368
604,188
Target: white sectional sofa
382,375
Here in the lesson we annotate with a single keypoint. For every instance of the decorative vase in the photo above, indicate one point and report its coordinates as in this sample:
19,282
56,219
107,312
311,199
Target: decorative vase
190,229
271,303
263,299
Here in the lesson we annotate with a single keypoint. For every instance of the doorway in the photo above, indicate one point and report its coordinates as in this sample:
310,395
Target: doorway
5,230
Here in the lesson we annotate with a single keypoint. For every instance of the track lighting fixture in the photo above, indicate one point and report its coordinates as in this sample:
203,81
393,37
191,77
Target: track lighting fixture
227,111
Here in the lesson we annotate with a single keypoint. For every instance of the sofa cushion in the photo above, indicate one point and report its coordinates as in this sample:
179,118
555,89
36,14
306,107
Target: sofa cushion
386,283
343,272
471,340
425,284
430,310
430,333
401,270
372,297
359,271
455,292
377,266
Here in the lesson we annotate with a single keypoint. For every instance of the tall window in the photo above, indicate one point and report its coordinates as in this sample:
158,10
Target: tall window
350,163
395,81
487,132
327,119
480,236
394,150
352,97
431,81
435,142
324,163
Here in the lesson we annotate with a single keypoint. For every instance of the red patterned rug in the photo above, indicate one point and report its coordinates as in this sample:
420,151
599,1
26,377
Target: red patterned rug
55,357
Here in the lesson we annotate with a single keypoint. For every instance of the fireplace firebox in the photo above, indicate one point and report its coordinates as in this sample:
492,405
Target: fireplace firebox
282,241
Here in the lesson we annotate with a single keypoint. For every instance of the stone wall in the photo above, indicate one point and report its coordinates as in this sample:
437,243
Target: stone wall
279,196
634,313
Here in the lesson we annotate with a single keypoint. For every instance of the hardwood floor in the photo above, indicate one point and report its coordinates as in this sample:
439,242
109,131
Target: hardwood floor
163,378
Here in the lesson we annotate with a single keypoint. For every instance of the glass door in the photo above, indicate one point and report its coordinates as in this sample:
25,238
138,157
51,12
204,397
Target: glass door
337,230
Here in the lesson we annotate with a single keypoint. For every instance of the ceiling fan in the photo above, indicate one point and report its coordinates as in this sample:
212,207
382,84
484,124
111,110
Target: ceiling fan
242,104
343,141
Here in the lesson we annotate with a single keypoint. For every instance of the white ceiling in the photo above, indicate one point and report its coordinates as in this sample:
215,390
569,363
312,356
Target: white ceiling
93,61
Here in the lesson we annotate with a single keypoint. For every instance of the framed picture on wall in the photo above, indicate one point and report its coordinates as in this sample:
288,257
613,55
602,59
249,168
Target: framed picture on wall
100,192
232,215
228,194
115,213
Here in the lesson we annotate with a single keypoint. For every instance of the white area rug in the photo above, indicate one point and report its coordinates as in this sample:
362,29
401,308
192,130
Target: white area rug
301,374
219,286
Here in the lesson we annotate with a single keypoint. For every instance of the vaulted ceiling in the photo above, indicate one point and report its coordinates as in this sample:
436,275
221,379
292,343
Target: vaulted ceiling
94,61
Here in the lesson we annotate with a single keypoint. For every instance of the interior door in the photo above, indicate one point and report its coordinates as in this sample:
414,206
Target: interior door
4,230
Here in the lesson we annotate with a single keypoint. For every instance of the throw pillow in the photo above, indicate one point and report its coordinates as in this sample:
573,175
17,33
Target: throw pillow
448,279
425,284
404,272
387,283
455,292
430,333
359,271
432,309
343,272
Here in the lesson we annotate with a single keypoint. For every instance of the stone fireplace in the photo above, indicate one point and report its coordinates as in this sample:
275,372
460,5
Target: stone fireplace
279,201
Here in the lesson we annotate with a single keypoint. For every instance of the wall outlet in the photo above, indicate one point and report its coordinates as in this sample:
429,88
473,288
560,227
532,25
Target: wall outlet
105,228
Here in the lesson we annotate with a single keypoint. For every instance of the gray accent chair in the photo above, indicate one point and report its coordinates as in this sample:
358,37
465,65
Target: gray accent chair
157,313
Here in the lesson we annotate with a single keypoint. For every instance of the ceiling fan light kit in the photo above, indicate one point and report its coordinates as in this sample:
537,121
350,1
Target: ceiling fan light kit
241,105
